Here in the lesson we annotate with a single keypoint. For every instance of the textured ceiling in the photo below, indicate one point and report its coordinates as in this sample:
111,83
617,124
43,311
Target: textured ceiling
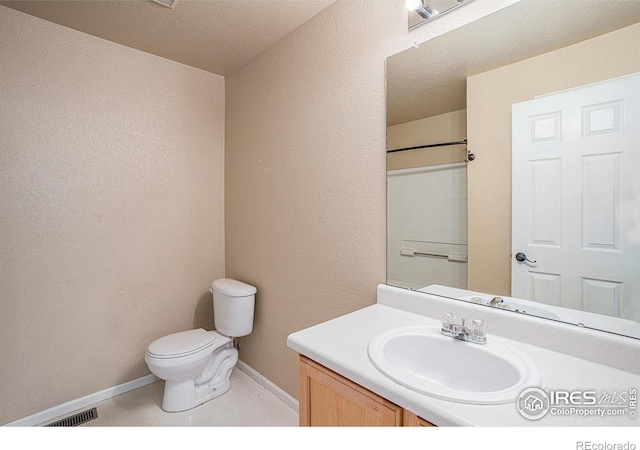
218,36
431,79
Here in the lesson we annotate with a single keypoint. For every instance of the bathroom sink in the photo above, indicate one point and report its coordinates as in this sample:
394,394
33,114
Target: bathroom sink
425,361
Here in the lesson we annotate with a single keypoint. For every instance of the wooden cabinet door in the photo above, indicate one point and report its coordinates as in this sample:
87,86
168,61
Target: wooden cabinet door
328,399
409,419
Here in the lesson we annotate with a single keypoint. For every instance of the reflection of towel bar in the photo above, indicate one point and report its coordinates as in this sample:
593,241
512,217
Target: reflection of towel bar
451,257
431,255
412,252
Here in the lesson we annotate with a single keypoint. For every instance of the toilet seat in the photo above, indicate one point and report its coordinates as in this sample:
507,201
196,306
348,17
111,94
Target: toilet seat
186,343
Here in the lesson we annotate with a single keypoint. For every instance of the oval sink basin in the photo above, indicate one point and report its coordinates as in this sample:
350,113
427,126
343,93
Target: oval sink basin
425,361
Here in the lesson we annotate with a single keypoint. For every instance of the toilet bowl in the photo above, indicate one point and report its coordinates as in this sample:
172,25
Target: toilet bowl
197,364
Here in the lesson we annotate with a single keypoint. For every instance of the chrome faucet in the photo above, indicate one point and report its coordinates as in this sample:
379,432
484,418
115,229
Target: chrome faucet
475,334
498,302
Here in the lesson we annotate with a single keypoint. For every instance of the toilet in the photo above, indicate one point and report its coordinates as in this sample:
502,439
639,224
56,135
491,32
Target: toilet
196,364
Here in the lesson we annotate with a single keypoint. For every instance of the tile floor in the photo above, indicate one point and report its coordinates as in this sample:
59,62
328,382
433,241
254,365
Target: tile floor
247,403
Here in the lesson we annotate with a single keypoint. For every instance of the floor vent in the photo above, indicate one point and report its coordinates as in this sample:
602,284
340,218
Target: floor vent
76,419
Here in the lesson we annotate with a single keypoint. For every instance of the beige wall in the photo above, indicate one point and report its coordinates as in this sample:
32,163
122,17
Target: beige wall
111,209
306,174
489,99
449,127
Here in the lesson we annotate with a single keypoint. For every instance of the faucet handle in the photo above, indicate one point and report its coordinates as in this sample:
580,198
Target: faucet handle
478,329
447,320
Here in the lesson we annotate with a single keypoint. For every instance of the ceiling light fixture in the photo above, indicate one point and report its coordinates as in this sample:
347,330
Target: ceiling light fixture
168,3
421,8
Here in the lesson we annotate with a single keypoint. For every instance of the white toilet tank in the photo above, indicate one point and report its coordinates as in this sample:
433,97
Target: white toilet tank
233,305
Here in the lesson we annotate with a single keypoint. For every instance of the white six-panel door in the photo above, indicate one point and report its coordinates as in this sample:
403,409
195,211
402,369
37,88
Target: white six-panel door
576,198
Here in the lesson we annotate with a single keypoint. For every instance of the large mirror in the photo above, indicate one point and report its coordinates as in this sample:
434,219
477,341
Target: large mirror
513,163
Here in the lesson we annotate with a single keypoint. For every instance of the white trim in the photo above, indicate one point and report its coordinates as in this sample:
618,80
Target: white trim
268,385
75,405
80,403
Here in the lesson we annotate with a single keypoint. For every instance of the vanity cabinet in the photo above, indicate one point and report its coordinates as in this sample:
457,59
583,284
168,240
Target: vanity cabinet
409,419
329,399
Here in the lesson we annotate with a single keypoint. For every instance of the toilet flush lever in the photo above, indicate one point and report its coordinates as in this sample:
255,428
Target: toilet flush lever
522,257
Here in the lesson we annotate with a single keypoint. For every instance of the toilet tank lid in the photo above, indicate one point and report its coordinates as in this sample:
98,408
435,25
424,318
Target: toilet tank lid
233,288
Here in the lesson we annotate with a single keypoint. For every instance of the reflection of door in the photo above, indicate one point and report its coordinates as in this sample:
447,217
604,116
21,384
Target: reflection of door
576,198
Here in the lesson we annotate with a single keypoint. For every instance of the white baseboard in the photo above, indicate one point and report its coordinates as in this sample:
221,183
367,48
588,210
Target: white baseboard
65,409
80,403
268,385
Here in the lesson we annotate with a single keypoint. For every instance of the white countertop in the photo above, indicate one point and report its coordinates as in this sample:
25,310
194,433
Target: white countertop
341,345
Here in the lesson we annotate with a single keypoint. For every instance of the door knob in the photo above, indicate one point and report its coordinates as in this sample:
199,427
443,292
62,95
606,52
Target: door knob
522,257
